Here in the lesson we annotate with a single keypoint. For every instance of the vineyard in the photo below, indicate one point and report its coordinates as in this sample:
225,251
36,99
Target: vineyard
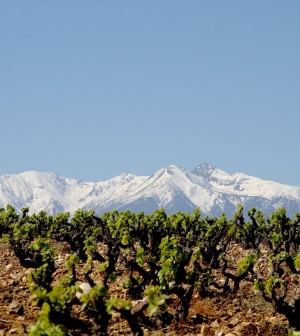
128,273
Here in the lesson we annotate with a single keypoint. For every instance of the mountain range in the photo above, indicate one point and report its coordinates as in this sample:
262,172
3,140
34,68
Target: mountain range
172,188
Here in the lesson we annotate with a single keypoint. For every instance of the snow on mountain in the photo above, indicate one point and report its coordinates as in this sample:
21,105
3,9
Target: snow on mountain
172,188
42,191
241,184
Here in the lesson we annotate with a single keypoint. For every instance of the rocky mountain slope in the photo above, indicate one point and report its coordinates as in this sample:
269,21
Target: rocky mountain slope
172,188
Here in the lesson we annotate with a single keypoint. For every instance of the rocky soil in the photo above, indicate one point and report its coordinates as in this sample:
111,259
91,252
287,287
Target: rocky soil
243,314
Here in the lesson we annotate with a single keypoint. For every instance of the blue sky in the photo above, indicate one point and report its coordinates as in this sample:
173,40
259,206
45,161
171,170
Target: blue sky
92,89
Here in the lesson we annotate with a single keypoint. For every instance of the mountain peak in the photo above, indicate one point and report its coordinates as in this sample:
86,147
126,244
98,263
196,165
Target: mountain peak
204,170
171,169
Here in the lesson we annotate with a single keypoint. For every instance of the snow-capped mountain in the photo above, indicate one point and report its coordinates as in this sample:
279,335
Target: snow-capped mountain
172,188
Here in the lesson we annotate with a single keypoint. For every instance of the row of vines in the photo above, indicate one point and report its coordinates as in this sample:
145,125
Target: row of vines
138,265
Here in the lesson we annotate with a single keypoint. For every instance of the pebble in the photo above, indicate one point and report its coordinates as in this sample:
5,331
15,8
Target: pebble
85,288
215,324
233,322
14,275
15,308
203,330
138,305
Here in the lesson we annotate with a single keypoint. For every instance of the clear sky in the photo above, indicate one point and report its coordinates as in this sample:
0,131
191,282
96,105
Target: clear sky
92,89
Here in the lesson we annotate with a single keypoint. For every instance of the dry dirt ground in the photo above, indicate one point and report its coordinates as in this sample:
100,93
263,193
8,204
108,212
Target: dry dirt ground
244,314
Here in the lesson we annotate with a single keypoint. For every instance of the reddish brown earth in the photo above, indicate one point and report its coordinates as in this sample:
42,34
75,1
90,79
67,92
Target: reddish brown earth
244,314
